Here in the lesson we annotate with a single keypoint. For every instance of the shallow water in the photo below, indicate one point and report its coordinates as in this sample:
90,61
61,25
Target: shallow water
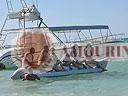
113,82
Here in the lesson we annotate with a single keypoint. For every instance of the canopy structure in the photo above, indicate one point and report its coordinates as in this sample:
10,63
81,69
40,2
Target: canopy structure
78,27
75,33
70,34
81,33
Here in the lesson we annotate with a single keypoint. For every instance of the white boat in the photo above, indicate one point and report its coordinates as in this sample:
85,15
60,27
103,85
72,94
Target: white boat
6,59
32,14
19,73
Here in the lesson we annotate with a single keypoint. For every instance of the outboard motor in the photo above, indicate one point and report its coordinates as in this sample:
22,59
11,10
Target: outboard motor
19,73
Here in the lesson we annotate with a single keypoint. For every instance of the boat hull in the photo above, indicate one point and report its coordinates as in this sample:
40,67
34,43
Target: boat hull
21,71
6,59
71,72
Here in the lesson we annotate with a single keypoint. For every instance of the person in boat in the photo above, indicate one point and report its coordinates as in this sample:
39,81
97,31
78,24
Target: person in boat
28,60
74,54
28,63
56,63
89,61
88,51
68,60
44,59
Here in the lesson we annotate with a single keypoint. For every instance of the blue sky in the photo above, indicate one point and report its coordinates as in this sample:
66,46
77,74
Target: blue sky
80,12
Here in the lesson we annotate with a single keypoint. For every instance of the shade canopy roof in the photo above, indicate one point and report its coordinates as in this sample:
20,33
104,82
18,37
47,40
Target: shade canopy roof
63,28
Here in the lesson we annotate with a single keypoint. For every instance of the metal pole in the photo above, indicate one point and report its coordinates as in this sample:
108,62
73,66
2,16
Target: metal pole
7,5
3,25
90,35
24,28
53,33
65,37
101,35
23,3
79,36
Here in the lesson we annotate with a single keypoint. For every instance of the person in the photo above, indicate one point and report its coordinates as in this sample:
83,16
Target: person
74,54
89,61
44,59
88,51
28,60
67,61
53,56
56,63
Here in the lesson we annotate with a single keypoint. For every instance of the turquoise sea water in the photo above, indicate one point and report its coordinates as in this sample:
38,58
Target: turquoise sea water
113,82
